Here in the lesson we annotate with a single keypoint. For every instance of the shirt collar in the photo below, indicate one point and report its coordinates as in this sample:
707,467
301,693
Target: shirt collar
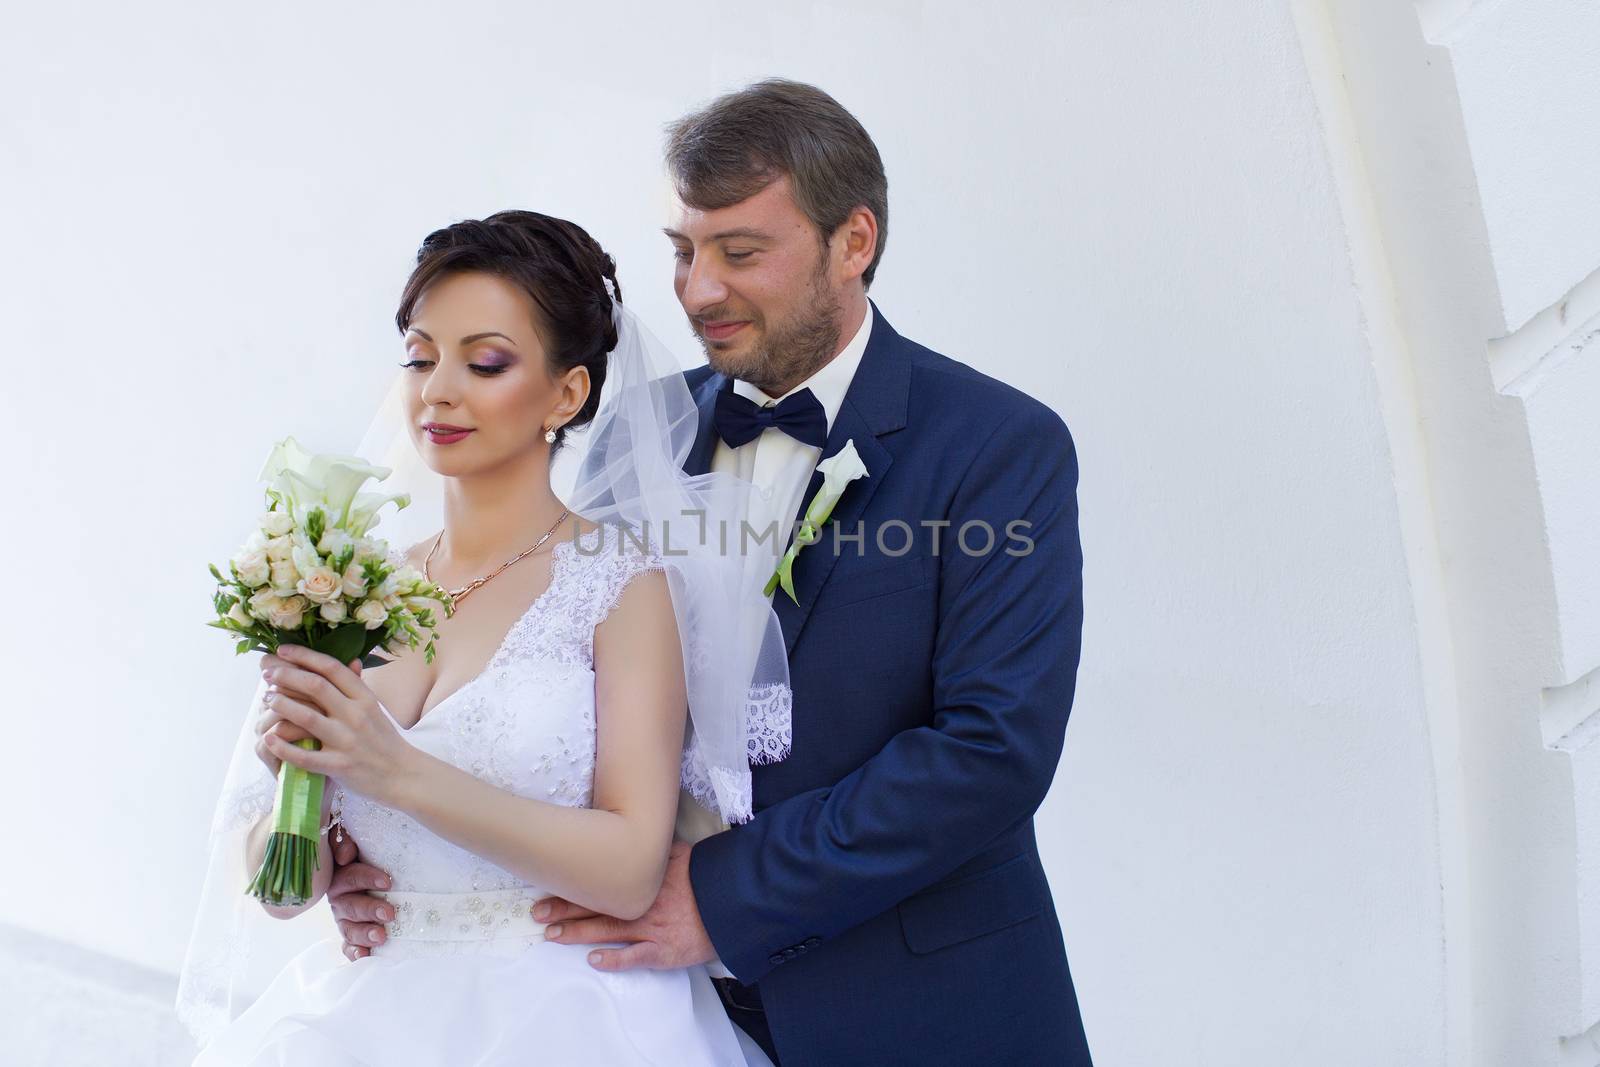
830,382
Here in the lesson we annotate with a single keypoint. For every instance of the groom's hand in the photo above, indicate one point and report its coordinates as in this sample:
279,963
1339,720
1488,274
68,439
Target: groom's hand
360,914
667,936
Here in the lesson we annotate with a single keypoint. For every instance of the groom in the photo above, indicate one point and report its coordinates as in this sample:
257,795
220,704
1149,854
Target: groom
886,904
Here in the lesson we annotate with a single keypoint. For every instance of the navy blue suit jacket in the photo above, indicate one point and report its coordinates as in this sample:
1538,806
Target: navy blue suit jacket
887,898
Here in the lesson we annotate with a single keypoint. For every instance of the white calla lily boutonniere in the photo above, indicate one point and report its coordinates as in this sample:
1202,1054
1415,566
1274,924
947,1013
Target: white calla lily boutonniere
838,471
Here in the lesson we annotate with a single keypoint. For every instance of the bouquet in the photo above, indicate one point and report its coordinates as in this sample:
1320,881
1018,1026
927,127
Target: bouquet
310,574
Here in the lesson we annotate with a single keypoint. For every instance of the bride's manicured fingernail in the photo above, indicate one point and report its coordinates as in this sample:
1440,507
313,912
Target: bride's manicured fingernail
386,914
374,936
594,959
541,911
552,932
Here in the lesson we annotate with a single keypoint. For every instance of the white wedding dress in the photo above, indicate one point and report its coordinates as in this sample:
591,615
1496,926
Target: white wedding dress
465,978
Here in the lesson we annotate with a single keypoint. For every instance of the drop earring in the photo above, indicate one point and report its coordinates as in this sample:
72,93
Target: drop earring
549,436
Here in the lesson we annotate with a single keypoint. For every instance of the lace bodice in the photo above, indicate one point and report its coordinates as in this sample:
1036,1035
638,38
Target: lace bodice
526,724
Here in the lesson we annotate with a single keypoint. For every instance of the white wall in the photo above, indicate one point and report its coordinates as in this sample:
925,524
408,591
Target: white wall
1467,134
1183,225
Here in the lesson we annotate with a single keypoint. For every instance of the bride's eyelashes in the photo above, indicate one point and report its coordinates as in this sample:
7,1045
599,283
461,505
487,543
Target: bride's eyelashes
485,369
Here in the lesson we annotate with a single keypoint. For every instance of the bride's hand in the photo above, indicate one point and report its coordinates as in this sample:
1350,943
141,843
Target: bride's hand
327,700
270,721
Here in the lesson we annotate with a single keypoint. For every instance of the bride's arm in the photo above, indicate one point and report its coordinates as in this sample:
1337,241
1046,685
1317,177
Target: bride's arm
611,857
255,849
255,844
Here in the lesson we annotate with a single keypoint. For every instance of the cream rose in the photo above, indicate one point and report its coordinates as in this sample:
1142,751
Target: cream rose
276,523
388,590
306,559
287,613
254,568
262,601
355,582
372,614
285,578
320,585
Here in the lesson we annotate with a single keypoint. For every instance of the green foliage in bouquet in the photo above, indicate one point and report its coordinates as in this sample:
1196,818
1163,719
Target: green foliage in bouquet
311,574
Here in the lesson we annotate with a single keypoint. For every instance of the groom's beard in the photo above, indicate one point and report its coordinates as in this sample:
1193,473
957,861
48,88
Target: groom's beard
790,351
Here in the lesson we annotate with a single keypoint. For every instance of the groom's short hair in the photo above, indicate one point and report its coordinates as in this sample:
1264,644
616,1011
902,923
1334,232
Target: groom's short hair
744,141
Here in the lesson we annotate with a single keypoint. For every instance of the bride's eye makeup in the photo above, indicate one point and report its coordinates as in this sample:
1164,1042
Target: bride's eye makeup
499,362
487,370
496,364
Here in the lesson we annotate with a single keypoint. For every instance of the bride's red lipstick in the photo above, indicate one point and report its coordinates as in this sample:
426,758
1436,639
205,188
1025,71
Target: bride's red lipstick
442,433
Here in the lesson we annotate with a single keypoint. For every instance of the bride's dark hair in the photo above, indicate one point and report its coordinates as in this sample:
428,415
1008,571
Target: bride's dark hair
556,263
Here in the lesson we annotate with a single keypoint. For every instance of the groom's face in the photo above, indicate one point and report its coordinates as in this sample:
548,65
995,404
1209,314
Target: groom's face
759,286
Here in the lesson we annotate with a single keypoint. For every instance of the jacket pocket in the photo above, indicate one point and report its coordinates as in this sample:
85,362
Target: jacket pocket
853,586
1004,895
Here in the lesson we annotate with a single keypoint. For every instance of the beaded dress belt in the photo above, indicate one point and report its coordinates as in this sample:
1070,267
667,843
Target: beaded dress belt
478,916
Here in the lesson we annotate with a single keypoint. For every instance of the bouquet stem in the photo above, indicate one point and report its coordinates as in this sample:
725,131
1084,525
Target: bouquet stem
290,862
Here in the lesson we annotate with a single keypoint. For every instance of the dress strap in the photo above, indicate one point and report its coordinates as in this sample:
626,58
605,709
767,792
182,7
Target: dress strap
622,558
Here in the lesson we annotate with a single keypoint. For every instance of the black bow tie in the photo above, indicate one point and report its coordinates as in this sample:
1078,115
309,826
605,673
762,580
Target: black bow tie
740,419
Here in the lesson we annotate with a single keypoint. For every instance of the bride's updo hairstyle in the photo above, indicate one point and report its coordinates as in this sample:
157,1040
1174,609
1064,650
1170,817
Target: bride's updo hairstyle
561,268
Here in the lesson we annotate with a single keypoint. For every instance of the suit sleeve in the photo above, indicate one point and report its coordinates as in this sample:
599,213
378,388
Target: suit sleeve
1004,671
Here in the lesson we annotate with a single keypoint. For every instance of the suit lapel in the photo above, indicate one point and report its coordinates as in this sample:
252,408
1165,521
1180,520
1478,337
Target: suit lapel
874,404
815,562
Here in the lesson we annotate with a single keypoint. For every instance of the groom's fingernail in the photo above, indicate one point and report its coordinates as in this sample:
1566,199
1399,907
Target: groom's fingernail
386,914
541,911
373,936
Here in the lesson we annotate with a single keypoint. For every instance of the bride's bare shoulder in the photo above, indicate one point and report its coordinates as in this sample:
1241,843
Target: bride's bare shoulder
580,528
417,552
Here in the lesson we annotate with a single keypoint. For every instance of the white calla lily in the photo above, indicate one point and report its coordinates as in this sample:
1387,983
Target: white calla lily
838,471
305,480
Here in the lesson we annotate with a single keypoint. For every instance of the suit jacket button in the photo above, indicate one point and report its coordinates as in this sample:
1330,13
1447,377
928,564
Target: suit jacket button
790,953
813,942
775,958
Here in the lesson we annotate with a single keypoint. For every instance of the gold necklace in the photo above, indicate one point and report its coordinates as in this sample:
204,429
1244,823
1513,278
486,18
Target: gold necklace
458,595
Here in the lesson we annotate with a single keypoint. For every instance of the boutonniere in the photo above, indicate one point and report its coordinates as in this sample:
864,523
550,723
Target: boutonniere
838,471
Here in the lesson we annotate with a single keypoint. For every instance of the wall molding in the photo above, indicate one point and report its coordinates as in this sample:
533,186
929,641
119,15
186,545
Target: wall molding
1523,360
1569,715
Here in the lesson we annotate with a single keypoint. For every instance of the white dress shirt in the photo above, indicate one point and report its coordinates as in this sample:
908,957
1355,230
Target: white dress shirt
781,468
779,465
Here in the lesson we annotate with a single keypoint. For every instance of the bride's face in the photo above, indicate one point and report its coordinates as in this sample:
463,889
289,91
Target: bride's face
475,361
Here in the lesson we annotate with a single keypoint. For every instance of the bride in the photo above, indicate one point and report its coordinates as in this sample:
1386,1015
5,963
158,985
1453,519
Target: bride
588,682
